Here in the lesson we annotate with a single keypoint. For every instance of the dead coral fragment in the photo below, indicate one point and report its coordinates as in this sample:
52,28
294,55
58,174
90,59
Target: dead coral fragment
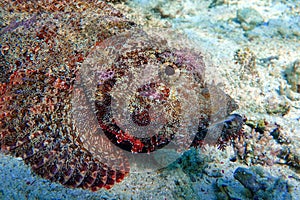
247,61
260,144
290,157
267,144
293,76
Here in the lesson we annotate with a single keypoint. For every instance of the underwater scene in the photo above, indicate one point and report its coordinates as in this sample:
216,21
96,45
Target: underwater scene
150,99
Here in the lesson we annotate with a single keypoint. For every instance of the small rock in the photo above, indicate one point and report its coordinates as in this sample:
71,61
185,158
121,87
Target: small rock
288,28
213,172
249,18
231,189
247,178
293,76
277,106
262,185
215,3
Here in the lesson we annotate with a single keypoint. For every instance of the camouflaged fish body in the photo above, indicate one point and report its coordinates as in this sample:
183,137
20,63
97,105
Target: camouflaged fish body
43,49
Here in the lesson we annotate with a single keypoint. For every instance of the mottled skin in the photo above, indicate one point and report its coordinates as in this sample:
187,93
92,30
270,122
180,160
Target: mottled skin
43,47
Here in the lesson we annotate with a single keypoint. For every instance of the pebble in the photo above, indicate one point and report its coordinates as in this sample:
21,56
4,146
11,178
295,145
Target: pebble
261,184
249,18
